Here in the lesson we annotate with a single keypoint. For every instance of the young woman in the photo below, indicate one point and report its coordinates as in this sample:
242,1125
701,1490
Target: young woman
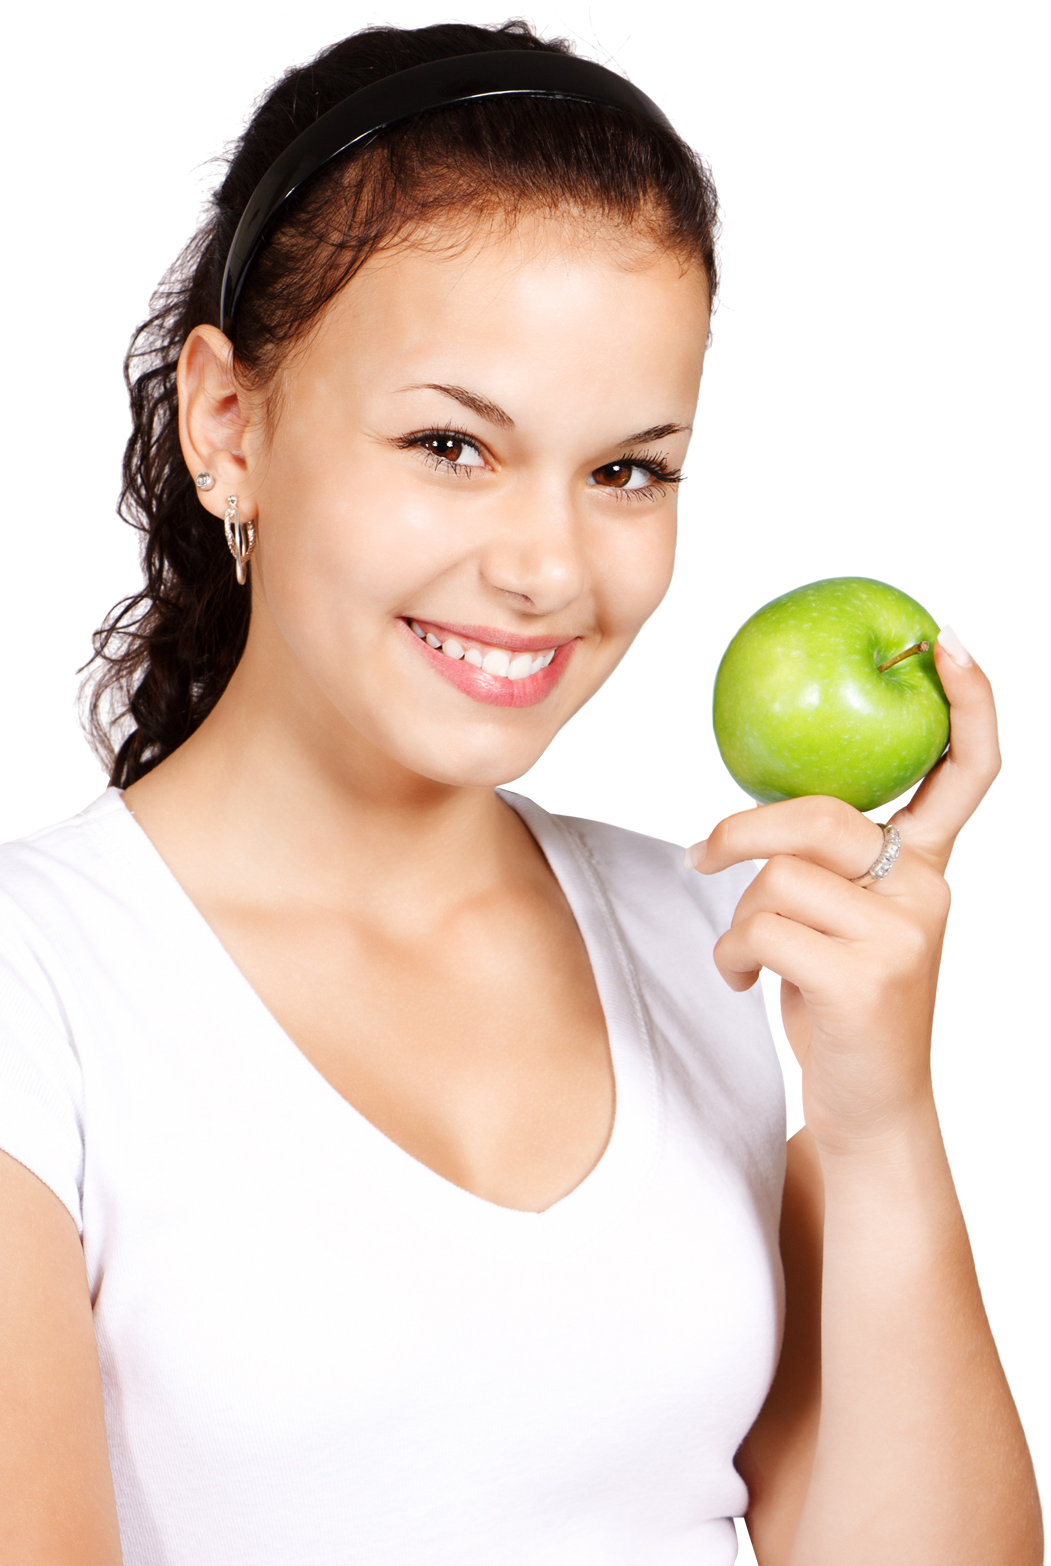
393,1172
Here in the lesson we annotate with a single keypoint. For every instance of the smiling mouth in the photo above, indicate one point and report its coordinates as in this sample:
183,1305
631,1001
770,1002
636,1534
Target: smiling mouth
519,675
501,662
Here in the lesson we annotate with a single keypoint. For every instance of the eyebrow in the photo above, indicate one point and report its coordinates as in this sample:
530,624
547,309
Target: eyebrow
468,399
656,432
490,411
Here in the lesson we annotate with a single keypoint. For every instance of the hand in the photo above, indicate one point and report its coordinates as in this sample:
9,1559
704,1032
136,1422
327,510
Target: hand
858,964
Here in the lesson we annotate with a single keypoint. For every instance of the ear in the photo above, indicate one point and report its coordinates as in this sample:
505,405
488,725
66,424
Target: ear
214,416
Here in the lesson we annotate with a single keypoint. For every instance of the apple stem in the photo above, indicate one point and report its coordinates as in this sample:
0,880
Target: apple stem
909,652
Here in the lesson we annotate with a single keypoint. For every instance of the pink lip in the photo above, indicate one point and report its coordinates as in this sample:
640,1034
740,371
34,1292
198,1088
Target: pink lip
490,638
490,688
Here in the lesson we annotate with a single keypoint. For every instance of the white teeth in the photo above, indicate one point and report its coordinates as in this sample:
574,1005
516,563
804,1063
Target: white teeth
504,665
497,662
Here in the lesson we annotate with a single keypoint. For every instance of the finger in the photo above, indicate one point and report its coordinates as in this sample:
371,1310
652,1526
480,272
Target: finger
808,894
952,791
766,940
823,830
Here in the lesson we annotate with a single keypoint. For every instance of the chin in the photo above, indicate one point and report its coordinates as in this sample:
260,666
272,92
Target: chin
475,765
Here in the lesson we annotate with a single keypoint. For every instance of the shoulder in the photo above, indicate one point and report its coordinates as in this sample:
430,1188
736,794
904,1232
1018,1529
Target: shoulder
83,970
50,868
645,877
68,895
668,920
56,887
666,916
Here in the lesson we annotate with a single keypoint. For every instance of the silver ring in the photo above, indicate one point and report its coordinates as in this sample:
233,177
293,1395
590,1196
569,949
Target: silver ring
888,856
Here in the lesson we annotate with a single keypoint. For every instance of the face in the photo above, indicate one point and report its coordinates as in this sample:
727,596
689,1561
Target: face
466,493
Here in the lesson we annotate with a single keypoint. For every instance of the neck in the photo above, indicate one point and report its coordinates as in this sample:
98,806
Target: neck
277,796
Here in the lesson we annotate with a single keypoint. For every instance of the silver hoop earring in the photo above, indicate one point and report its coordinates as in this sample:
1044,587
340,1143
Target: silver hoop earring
240,536
204,481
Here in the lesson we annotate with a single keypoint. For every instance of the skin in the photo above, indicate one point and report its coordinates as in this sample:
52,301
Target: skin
391,870
889,1434
334,820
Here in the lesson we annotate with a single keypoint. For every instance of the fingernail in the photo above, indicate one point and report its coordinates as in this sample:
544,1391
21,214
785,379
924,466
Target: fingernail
693,856
952,644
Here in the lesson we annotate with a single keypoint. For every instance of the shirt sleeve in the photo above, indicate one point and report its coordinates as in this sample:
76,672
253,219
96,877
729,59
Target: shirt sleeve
41,1086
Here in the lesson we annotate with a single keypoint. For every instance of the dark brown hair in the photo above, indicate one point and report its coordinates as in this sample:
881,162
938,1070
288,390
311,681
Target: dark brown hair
163,656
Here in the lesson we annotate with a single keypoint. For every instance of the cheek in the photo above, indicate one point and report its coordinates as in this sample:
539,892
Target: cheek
634,572
344,553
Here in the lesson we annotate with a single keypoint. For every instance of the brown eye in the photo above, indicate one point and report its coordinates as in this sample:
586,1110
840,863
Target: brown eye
448,446
615,475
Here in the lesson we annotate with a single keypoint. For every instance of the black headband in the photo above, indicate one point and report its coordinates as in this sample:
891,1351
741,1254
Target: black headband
535,73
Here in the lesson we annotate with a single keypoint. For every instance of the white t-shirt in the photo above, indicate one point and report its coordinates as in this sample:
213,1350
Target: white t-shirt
316,1351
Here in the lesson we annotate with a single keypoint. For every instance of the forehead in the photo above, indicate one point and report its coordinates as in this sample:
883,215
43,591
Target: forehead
562,298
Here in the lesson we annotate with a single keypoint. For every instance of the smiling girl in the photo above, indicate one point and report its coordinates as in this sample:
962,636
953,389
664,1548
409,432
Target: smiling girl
393,1172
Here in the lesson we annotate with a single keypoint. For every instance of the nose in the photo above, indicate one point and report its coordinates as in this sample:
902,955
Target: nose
536,551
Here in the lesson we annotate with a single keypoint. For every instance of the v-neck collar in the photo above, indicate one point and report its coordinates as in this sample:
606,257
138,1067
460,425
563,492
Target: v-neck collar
614,1183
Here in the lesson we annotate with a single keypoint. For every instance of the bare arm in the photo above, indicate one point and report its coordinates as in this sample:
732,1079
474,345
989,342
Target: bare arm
912,1387
56,1492
890,1433
890,1437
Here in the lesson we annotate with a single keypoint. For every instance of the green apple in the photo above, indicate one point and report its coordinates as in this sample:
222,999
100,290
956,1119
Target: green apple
832,689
